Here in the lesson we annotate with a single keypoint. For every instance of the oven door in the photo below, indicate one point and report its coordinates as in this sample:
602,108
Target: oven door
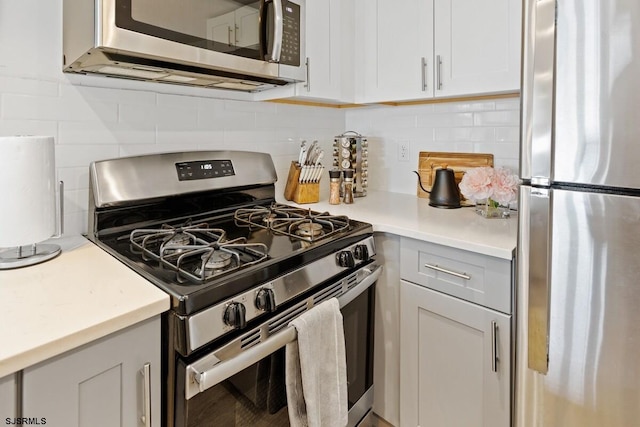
249,388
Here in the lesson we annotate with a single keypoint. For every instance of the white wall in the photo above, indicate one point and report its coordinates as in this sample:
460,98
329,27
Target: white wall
128,118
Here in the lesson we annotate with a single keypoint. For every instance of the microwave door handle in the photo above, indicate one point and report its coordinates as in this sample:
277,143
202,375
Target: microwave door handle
278,29
262,30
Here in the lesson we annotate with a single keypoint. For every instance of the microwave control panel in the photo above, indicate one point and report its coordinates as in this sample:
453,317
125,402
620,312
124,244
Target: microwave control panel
290,54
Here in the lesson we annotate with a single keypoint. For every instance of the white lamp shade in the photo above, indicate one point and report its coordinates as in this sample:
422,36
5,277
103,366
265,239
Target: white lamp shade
28,195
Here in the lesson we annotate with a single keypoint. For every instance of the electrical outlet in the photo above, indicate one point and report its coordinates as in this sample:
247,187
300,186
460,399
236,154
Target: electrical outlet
403,151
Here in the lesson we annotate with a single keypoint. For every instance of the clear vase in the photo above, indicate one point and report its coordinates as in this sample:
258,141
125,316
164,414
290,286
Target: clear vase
492,209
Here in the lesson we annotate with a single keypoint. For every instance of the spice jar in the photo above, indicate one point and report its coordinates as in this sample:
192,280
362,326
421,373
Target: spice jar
348,186
334,187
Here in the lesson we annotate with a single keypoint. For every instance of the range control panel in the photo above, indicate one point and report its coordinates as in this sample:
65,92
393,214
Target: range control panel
188,171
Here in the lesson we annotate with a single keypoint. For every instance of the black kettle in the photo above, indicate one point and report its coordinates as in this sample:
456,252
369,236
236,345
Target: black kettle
444,191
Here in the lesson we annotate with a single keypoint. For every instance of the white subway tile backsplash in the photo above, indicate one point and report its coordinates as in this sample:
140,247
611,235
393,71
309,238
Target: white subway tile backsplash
465,126
169,117
188,137
140,149
24,86
497,118
215,117
249,107
444,120
119,96
464,106
59,109
471,134
96,132
11,127
83,155
508,134
508,104
75,223
76,200
74,178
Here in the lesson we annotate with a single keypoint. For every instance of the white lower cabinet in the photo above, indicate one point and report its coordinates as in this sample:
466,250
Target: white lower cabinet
455,361
114,381
455,337
8,397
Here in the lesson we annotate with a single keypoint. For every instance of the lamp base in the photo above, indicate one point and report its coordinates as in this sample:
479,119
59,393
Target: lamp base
23,256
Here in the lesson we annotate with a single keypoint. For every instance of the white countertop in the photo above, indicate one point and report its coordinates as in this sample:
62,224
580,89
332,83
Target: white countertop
410,216
81,295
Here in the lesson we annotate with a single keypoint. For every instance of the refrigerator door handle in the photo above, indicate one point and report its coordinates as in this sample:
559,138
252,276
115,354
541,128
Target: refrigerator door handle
535,248
537,110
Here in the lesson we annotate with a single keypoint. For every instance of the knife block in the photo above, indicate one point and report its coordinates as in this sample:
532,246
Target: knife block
300,192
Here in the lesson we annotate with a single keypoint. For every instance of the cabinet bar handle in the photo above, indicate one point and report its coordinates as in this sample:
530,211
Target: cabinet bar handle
308,65
146,375
494,346
424,74
464,276
229,31
439,71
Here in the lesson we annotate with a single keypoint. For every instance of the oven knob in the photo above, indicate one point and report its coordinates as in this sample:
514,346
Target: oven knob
234,315
345,259
361,252
265,300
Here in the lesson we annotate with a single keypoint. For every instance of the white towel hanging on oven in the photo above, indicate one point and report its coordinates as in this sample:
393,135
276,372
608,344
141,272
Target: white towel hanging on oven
316,369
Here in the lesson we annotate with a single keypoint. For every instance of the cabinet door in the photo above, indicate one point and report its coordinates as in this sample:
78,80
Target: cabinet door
394,45
455,361
323,46
101,384
8,397
477,46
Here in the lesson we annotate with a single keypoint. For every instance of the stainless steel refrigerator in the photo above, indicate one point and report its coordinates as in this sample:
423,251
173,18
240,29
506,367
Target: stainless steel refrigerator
578,278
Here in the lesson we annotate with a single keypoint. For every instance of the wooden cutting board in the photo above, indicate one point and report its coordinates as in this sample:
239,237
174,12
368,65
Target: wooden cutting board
429,161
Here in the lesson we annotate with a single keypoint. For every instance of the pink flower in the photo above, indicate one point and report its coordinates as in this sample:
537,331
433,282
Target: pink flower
485,182
476,183
505,186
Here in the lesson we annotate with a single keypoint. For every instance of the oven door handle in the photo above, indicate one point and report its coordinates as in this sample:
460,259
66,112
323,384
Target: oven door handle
203,379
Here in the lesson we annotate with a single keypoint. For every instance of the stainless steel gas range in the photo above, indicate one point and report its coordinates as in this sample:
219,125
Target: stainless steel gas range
205,227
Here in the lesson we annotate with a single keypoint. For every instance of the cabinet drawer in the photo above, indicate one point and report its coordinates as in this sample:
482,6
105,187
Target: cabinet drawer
473,277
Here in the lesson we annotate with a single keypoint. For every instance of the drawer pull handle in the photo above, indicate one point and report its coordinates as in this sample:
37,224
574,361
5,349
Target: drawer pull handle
464,276
146,389
494,346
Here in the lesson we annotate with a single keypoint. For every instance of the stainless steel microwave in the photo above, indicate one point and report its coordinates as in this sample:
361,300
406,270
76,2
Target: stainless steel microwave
247,45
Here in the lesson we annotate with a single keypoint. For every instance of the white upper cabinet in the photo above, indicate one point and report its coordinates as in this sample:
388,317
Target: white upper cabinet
394,46
324,42
420,49
477,46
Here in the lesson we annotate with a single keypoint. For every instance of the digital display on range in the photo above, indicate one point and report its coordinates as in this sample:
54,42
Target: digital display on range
188,171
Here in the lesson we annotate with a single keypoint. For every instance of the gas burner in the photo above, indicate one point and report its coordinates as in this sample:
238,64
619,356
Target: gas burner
197,252
269,218
216,260
309,229
294,222
177,242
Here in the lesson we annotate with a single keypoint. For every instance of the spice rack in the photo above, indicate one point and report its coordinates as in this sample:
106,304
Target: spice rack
351,151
